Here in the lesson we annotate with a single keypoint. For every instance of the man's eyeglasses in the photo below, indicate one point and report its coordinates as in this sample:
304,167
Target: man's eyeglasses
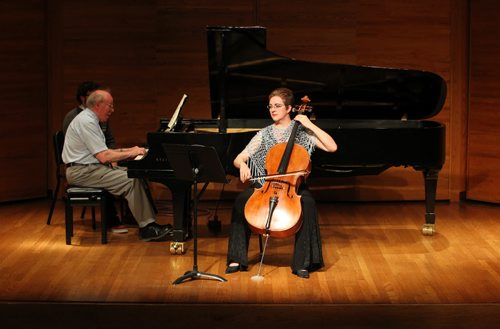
111,106
276,106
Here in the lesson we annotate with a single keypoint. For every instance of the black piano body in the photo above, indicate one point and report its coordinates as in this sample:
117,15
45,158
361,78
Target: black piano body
376,115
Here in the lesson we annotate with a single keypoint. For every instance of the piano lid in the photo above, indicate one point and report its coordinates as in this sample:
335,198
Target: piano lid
243,72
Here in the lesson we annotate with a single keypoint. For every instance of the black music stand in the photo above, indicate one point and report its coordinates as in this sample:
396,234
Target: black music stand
196,164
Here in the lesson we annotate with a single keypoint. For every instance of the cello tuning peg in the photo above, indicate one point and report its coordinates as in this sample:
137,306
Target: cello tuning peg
304,107
305,99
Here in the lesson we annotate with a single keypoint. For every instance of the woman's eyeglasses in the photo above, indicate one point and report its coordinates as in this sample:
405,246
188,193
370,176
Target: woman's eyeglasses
276,106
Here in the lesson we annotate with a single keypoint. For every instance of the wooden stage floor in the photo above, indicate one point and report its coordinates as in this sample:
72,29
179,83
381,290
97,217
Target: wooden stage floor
380,272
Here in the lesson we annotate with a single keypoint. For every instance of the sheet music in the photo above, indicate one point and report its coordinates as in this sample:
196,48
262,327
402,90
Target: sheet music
173,120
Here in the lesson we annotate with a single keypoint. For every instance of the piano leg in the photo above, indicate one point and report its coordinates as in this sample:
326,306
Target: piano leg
181,200
430,177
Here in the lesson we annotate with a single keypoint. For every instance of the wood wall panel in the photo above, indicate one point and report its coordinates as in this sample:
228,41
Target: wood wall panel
182,62
483,159
23,97
413,35
150,52
458,97
114,45
172,36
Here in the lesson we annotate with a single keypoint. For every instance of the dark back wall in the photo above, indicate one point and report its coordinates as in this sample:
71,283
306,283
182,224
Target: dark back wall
151,52
23,100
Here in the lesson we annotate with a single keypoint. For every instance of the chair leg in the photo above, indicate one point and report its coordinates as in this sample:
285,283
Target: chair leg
82,215
104,220
54,200
69,221
93,218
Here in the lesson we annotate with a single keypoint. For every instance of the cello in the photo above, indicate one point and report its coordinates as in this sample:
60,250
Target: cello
275,209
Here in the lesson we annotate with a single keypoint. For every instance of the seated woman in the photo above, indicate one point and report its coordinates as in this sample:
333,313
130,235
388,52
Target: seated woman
307,255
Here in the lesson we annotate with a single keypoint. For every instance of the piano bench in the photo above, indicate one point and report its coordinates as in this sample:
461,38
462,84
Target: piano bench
86,196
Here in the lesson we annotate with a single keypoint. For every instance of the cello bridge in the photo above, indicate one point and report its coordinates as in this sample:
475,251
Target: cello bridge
277,186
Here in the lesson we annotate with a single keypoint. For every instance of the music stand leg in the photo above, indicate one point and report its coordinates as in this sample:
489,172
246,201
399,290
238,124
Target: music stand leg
195,274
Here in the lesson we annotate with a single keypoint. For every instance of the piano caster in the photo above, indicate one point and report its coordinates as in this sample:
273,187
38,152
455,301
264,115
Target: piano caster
177,248
428,229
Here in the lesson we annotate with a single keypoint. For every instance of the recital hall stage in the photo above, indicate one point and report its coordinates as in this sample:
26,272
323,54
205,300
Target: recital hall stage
381,272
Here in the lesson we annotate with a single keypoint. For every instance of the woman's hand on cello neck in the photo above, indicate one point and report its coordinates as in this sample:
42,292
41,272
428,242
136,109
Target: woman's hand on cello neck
304,120
323,140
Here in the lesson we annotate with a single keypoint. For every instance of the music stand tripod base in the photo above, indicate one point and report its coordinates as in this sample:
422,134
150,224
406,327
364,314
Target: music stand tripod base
194,274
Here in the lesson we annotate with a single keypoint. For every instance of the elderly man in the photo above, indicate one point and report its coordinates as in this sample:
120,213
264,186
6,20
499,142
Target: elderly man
82,93
88,162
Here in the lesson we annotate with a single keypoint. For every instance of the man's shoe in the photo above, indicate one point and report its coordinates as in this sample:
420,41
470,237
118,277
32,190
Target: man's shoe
154,231
115,225
119,229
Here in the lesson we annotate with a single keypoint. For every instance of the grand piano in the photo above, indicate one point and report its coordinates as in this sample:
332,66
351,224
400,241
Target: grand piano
375,114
